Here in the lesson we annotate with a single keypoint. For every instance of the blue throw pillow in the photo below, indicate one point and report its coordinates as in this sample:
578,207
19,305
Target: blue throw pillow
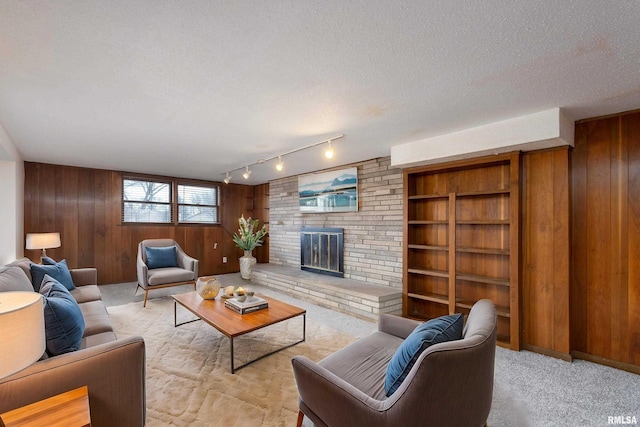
63,321
162,257
441,329
58,271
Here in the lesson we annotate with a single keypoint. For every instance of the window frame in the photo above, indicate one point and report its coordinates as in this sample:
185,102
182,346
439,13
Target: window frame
216,206
123,202
173,204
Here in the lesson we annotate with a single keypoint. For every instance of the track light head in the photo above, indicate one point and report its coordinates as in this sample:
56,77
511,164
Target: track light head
280,164
329,151
227,179
247,173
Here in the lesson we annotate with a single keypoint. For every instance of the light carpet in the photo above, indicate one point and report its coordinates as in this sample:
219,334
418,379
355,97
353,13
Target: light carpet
189,384
188,378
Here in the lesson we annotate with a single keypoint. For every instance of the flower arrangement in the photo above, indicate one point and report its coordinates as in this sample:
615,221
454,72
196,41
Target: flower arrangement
246,238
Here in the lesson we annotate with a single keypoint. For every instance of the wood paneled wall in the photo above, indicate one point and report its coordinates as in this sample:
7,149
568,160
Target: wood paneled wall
545,252
84,205
605,315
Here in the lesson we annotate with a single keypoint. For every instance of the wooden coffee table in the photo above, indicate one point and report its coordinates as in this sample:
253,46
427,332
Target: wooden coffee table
233,324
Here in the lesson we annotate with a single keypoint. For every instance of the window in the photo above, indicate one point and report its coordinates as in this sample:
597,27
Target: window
153,201
197,204
146,201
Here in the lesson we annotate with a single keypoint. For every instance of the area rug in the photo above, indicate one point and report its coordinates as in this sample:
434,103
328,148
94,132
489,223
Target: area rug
188,378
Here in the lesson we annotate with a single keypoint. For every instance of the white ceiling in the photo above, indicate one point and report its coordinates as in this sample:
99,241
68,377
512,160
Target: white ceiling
195,88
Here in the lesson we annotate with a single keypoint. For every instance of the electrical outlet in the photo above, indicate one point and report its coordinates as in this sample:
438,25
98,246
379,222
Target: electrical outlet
224,259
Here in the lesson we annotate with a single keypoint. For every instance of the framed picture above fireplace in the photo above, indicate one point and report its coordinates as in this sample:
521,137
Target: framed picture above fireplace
334,191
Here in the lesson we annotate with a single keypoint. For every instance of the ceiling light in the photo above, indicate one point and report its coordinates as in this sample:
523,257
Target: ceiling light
280,164
227,179
247,173
329,153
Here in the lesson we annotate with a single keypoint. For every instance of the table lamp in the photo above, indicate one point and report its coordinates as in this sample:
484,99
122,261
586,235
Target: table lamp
43,241
21,331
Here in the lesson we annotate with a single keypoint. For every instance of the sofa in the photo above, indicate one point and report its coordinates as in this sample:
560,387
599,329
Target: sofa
113,369
449,384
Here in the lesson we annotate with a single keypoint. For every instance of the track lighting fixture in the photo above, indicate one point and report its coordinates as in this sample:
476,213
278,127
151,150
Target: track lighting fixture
247,173
328,153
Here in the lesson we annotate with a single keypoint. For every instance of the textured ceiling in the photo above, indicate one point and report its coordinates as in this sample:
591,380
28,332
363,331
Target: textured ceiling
195,88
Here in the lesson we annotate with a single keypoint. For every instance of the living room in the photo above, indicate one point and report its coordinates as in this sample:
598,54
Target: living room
192,94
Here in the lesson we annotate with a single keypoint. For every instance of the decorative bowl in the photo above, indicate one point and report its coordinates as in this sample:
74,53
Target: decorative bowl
240,297
208,287
228,291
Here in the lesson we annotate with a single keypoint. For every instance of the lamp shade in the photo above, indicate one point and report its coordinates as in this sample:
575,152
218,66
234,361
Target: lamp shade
21,330
43,240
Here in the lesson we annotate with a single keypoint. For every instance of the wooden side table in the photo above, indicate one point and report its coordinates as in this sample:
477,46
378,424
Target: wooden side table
70,409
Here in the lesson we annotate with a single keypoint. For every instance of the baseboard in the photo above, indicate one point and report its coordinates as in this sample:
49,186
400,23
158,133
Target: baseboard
608,362
547,352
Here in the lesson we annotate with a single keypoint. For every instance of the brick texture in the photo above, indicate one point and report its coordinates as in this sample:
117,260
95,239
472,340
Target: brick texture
372,236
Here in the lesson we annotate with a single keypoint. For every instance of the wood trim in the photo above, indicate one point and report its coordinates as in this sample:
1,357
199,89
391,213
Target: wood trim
567,357
452,253
607,116
514,248
459,164
605,361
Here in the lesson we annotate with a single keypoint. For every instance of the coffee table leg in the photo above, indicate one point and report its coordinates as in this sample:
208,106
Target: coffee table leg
233,371
304,337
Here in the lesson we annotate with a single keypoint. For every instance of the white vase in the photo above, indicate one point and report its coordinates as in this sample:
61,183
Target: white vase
246,262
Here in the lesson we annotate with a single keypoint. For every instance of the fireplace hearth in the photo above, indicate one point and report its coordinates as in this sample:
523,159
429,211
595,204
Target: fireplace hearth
321,250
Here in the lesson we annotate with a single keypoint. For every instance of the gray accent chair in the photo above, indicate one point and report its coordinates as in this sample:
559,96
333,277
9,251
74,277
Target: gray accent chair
451,383
156,278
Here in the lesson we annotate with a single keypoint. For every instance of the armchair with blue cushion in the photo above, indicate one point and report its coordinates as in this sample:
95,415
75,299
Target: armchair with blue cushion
162,263
407,373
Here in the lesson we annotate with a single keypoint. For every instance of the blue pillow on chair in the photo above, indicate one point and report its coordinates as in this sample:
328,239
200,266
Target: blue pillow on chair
434,331
161,257
63,321
56,270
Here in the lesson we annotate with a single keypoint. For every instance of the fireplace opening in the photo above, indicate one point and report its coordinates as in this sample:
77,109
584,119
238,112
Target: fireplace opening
321,250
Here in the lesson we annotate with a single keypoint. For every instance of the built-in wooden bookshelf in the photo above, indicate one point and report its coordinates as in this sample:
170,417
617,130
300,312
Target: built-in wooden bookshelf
461,233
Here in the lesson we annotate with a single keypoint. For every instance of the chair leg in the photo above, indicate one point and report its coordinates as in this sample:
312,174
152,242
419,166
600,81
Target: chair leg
146,293
300,418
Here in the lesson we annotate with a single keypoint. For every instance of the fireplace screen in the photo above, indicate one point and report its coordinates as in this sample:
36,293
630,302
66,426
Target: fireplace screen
321,250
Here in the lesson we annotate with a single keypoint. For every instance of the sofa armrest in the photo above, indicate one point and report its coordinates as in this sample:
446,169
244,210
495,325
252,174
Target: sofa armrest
84,276
333,399
114,373
395,325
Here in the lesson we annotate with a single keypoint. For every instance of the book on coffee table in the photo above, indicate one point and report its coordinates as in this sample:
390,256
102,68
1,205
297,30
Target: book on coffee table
248,306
